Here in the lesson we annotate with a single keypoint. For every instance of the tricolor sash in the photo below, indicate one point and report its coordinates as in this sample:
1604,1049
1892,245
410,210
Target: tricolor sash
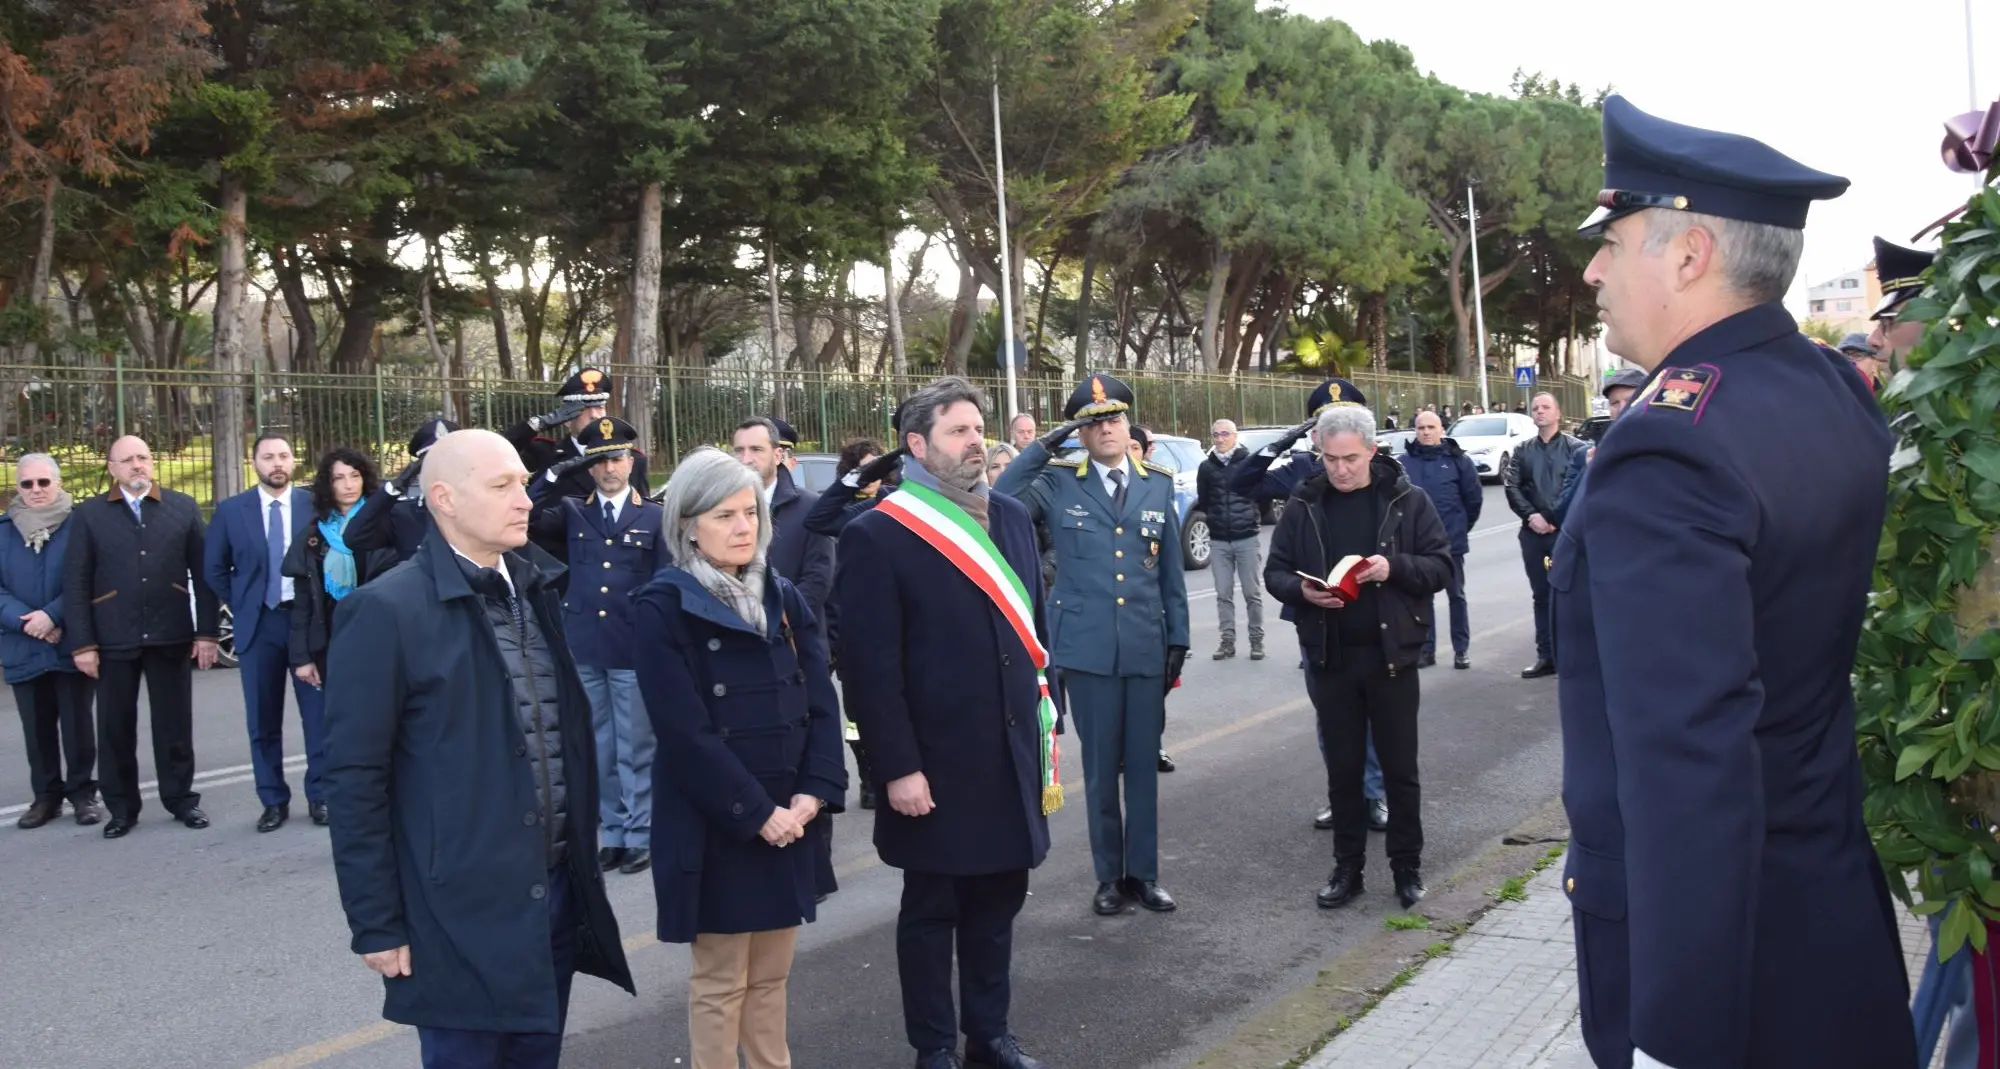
947,528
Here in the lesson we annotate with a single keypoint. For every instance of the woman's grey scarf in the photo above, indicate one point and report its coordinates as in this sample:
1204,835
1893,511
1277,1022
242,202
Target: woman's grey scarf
745,594
38,524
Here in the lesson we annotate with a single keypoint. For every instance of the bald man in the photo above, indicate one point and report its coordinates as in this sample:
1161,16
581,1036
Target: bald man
462,778
134,556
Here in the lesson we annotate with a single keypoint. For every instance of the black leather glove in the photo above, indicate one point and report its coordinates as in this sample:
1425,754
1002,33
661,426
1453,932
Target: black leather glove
1284,442
569,411
1053,440
563,467
873,471
400,485
1176,657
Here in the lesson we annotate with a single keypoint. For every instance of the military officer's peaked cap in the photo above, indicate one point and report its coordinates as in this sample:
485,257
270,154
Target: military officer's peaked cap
606,437
1098,397
428,434
788,437
1630,377
1650,162
1902,273
1334,392
590,386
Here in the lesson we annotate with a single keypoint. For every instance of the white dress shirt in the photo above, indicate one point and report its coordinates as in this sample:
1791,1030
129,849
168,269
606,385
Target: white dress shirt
284,500
1104,476
617,505
500,567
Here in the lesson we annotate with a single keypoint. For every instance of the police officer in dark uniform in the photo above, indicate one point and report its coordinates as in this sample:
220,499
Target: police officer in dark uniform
1709,588
395,518
1118,623
614,538
551,438
1902,273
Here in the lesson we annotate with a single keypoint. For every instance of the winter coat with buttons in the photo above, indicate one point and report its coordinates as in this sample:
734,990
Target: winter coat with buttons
31,580
126,583
1232,514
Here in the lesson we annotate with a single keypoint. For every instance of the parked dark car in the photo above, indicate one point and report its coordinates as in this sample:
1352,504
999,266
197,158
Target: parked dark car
813,471
1592,429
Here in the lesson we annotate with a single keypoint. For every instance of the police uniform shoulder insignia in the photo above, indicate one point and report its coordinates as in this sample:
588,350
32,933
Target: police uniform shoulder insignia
1157,468
1683,389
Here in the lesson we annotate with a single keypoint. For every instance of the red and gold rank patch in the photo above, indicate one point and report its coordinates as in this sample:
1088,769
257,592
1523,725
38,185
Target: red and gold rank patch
1681,388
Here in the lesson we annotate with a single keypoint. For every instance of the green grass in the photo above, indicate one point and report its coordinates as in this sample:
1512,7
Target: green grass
1406,922
1437,950
1512,889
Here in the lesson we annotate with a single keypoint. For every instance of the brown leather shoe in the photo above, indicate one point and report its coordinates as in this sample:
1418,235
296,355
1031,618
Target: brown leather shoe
39,814
87,810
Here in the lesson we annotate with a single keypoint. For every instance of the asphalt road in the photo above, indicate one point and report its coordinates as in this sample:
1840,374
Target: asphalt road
225,948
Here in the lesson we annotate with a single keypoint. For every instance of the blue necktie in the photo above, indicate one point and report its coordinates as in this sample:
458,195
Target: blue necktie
138,514
274,557
610,517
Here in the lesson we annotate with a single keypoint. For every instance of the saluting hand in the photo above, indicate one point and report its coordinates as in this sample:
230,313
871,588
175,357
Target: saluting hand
911,795
390,963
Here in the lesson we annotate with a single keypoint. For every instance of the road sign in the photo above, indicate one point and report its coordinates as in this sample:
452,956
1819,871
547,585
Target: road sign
1524,377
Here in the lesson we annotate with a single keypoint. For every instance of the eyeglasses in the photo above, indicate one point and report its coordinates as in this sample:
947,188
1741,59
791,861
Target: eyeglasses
37,484
1220,434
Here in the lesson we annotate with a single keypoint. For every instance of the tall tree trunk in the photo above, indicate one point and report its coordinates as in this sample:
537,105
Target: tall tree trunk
305,330
534,319
232,253
1042,302
777,355
964,321
892,306
496,307
37,298
1246,282
1083,310
438,356
1211,311
643,385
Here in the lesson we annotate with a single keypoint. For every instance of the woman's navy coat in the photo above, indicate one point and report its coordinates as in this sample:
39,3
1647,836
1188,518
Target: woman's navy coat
938,684
30,581
745,721
428,780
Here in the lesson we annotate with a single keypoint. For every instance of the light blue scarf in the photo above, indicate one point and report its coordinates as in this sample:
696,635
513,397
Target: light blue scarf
338,568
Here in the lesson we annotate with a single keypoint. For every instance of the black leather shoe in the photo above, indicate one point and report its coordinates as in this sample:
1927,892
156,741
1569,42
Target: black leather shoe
317,811
1166,763
1342,887
1109,901
117,827
610,857
939,1059
1323,820
1428,660
87,810
1378,814
1463,660
637,859
274,818
1538,670
1002,1053
1410,888
38,814
1150,895
193,817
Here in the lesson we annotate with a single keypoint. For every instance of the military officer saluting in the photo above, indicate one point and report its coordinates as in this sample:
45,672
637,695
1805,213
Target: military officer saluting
1730,912
548,439
614,538
1118,623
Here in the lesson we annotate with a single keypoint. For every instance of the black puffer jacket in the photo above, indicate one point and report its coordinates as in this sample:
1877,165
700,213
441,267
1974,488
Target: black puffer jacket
1411,537
1231,515
531,668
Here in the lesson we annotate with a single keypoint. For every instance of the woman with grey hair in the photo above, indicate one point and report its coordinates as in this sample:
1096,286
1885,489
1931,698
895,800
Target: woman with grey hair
749,728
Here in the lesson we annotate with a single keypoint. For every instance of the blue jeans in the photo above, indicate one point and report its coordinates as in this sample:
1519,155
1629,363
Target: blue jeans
625,745
458,1048
1461,620
1371,769
1943,1007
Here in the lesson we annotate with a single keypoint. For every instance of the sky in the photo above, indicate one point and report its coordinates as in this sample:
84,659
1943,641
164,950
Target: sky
1857,89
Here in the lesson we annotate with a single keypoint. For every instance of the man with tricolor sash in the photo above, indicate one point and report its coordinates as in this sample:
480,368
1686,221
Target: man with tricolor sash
943,667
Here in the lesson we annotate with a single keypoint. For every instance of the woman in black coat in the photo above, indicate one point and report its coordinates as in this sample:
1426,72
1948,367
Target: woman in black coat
322,566
749,727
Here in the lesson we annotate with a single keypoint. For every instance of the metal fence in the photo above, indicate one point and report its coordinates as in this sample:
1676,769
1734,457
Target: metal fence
75,412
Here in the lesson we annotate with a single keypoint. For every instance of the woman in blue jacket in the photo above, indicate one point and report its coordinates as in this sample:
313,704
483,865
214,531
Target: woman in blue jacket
749,756
54,698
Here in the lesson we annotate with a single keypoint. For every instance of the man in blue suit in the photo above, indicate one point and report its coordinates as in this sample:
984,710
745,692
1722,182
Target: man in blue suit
246,546
1729,909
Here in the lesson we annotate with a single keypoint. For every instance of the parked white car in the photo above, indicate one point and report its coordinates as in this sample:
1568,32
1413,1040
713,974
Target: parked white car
1490,439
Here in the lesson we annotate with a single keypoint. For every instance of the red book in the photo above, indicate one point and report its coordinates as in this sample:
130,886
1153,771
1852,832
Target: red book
1342,579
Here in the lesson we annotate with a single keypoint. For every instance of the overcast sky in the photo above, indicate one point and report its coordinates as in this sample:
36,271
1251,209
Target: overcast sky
1858,89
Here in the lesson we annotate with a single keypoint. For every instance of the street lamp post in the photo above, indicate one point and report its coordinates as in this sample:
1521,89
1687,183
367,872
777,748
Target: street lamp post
1006,254
1478,306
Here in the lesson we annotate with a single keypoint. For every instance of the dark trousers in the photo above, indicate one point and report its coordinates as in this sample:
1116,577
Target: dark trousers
55,721
265,667
169,678
1535,552
1356,695
457,1048
1461,620
1118,721
976,913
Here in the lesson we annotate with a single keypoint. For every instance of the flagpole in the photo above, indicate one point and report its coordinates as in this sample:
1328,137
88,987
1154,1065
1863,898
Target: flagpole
1006,254
1478,308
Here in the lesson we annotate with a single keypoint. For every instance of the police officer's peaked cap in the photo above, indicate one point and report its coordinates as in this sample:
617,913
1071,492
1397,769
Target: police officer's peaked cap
1098,397
1334,392
1650,162
1856,344
428,434
607,436
1901,271
787,436
1630,376
590,386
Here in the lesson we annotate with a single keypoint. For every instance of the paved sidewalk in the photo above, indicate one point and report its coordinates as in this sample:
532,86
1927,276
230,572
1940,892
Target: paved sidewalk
1504,997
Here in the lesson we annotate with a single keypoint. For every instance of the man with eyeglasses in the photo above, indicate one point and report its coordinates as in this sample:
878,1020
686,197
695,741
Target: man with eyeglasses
1235,555
135,555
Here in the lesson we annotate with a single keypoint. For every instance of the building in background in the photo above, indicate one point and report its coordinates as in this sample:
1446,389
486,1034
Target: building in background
1845,300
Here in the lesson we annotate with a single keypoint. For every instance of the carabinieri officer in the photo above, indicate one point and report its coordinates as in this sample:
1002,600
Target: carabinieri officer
1709,586
1118,623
